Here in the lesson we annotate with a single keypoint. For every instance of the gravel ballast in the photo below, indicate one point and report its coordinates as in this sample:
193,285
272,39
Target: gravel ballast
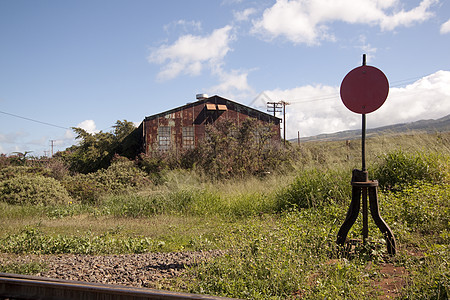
138,270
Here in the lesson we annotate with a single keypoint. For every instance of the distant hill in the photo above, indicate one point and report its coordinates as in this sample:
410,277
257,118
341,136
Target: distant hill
424,126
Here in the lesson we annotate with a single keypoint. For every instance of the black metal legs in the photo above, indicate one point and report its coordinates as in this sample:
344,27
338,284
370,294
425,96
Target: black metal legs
362,186
352,215
381,224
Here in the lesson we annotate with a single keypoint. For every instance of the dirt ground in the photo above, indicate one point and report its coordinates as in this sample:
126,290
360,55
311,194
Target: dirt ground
393,279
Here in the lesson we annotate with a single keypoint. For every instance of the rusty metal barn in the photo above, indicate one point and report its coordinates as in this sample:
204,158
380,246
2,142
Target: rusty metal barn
184,127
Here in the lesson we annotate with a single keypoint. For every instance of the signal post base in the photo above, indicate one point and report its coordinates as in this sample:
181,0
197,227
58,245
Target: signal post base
361,186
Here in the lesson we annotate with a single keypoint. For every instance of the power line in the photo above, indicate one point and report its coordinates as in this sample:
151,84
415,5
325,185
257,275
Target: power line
405,81
336,95
33,120
295,101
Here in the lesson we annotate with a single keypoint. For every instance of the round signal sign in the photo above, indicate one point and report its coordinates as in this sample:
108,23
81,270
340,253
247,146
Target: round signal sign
364,89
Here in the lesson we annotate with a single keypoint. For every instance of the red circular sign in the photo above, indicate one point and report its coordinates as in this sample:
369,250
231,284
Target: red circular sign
364,89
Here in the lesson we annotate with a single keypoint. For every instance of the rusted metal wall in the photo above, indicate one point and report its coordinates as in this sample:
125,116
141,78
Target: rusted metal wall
196,115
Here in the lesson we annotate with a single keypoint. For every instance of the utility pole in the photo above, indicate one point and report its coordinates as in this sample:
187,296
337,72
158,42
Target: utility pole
52,143
284,103
273,107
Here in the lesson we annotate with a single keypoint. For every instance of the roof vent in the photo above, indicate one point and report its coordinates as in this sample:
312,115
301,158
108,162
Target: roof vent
201,96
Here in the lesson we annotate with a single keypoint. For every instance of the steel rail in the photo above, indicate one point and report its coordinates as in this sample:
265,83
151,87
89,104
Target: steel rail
13,286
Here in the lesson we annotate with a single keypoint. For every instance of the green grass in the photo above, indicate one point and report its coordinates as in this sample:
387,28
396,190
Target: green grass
30,268
275,257
278,232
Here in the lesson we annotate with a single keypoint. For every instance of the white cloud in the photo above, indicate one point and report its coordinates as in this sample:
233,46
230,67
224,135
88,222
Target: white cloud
319,109
232,84
367,48
2,138
69,135
445,28
230,2
302,21
13,137
189,54
244,15
184,25
418,14
427,98
311,110
89,126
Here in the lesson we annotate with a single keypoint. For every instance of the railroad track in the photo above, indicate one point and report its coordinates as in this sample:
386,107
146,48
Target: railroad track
13,286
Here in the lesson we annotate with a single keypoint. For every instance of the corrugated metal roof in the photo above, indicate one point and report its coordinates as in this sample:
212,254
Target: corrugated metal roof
211,100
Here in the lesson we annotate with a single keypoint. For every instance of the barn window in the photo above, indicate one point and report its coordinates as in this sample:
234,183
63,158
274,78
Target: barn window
188,137
164,137
210,106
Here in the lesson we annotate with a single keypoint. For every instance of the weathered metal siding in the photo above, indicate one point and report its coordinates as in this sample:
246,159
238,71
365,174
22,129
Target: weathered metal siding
199,126
197,115
150,134
177,129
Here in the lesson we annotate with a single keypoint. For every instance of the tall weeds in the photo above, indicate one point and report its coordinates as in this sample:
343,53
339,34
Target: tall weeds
314,188
399,168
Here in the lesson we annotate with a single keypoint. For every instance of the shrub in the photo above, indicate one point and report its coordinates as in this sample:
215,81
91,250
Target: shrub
50,168
4,161
313,188
83,188
398,168
58,169
237,151
14,171
33,190
121,176
153,166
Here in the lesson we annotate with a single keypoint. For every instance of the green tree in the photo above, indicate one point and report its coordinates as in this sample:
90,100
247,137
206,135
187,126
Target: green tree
122,129
95,150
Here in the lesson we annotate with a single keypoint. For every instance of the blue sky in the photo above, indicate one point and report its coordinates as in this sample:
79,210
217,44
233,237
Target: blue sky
88,64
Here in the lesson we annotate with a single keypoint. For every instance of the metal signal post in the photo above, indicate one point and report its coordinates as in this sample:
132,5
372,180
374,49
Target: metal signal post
363,90
363,132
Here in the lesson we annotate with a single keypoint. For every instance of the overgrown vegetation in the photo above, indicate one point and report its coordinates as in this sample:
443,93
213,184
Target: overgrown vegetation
229,151
278,229
399,168
95,151
35,190
32,241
